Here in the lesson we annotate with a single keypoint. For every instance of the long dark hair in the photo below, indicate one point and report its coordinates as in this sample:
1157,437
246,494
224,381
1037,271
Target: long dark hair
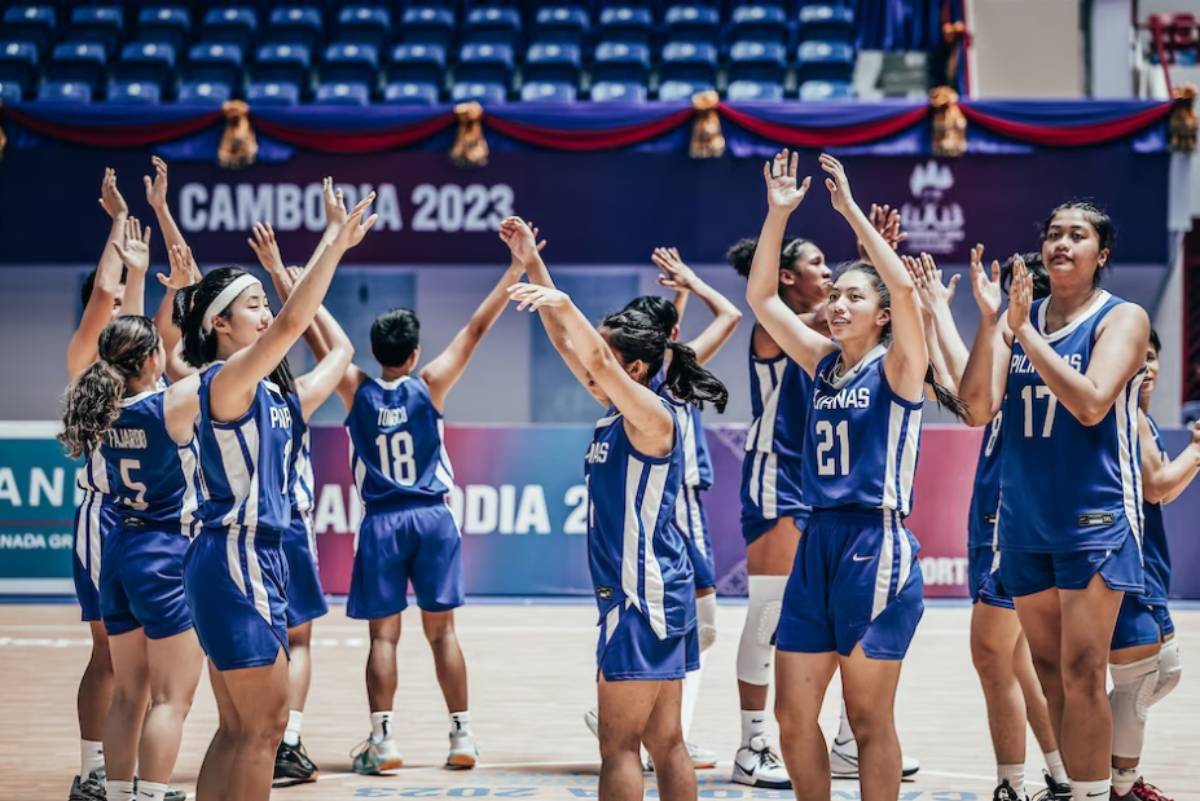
741,254
200,348
93,400
945,398
1098,218
658,308
1036,268
634,335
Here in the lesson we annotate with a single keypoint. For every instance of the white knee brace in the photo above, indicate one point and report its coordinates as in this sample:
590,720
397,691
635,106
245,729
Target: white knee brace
1170,671
1133,685
756,649
706,620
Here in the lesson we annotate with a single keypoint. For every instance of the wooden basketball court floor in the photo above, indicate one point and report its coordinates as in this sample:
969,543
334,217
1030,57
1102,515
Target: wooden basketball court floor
531,678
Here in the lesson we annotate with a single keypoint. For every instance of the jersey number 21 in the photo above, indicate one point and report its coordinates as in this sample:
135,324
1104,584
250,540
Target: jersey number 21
830,463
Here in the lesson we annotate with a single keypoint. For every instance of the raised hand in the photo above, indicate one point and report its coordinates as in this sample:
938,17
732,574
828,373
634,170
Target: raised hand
928,279
1020,295
916,271
886,221
837,183
675,273
156,189
134,249
111,201
985,288
520,238
534,297
335,205
784,192
266,248
183,268
355,228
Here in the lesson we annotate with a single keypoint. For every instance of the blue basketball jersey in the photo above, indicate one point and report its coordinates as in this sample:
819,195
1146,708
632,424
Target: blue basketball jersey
697,464
1074,486
397,448
153,478
1156,559
245,463
779,393
637,556
862,441
301,470
985,498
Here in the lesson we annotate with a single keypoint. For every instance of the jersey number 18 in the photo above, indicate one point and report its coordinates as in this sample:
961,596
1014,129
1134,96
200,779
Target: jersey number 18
397,458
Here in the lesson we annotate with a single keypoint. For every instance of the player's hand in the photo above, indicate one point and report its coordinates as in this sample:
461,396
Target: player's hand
521,239
184,271
784,191
837,183
1020,295
675,273
355,228
156,188
134,249
534,297
266,248
985,287
928,279
335,206
111,201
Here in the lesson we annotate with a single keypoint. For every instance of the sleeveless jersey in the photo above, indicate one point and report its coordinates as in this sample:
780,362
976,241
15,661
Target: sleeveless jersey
95,503
303,485
1156,559
697,464
779,394
397,448
153,478
1075,486
985,498
637,556
245,463
862,441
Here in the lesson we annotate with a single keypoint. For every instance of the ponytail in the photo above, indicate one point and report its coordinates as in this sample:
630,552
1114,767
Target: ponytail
945,398
690,382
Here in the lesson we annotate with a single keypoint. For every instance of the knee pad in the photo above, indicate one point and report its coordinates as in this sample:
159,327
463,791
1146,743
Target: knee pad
756,649
1133,685
1170,671
706,620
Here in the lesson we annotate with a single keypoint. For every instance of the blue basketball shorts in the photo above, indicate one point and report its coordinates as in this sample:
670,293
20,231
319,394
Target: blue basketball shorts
94,519
141,583
983,576
305,598
628,649
692,522
770,490
1141,623
1026,573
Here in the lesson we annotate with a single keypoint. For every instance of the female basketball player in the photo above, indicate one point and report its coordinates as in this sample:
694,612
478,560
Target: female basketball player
645,591
853,599
118,407
1145,655
245,426
1065,372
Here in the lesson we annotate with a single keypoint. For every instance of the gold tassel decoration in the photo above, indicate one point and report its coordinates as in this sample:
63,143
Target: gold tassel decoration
949,123
239,145
470,147
707,140
1183,119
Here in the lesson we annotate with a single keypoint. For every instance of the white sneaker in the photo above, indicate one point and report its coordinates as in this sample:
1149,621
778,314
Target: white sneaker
374,757
591,719
843,761
702,758
463,753
758,766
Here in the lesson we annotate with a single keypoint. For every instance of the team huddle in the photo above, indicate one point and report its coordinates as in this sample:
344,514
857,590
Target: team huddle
194,540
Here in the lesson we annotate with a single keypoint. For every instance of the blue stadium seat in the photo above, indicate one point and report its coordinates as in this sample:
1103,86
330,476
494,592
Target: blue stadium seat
549,92
561,23
170,24
272,93
18,63
296,25
288,62
486,63
230,25
693,23
350,63
689,61
618,92
215,61
829,61
101,24
134,92
10,92
420,63
363,24
64,92
479,91
672,90
621,61
78,61
757,61
26,22
493,25
343,93
833,23
754,90
204,92
553,62
411,93
760,22
146,61
626,23
826,90
428,25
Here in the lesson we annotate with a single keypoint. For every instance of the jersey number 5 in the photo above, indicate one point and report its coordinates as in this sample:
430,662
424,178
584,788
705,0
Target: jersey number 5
397,458
1027,396
127,466
829,463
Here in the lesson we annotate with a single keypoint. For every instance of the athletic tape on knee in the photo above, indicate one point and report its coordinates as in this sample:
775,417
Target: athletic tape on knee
1170,671
706,620
756,649
1132,687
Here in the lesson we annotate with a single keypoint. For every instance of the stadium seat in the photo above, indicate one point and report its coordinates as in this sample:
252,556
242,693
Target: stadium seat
427,25
204,92
134,92
350,63
18,63
689,61
152,62
481,92
622,62
754,90
419,63
693,23
80,62
672,90
485,62
272,93
757,61
363,24
829,61
103,25
493,25
289,62
626,23
618,92
342,93
562,24
826,90
10,92
217,62
230,25
760,22
553,62
549,92
169,24
832,23
64,92
299,25
411,93
26,22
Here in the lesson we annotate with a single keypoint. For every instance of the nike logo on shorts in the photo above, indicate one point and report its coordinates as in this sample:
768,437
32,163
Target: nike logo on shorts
860,558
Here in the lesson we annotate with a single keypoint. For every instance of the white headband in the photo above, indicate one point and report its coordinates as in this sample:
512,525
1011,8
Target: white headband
227,295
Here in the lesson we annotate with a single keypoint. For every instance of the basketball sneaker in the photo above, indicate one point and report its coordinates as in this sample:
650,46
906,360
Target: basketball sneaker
1055,791
371,758
175,794
702,758
591,719
90,789
843,761
292,762
1146,792
1005,792
758,766
463,753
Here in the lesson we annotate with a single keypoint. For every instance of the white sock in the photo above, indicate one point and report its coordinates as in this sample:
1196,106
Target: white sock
1055,766
151,791
691,694
381,726
1123,779
754,724
460,721
1090,791
118,790
291,735
1014,775
91,757
845,735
